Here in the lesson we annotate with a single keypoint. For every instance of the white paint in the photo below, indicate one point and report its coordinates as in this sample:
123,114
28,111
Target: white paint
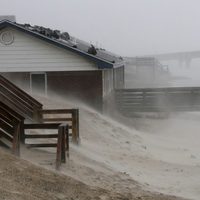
28,53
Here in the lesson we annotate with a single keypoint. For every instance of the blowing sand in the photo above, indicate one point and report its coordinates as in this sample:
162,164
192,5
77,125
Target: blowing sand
160,156
116,161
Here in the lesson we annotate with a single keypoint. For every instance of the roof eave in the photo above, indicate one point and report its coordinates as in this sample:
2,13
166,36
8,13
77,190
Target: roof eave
100,62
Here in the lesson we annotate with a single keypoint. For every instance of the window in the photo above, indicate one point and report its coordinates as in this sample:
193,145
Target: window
38,83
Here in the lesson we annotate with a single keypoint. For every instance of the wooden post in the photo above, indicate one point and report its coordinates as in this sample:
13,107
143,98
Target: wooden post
16,140
61,145
37,114
75,126
22,134
59,148
63,156
67,139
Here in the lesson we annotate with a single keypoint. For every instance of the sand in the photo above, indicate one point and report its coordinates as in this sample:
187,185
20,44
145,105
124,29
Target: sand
21,180
139,158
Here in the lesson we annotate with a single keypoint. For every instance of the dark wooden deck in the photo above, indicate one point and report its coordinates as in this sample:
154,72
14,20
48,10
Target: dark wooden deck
171,99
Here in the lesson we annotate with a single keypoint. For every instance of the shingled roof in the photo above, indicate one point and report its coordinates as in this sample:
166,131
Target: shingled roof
101,57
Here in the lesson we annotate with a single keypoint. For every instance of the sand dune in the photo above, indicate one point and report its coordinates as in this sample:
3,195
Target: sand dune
161,156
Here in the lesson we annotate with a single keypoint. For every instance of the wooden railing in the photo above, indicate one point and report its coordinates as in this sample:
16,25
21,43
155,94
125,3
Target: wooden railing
11,125
71,116
62,136
16,106
19,100
13,130
158,99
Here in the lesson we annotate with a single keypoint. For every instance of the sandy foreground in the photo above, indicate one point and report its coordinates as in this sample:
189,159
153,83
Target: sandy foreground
144,159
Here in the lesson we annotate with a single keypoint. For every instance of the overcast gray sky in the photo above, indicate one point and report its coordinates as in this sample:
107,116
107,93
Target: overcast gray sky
126,27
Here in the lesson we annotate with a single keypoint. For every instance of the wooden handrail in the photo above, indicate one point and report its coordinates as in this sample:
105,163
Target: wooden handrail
10,111
41,126
11,127
57,111
19,92
19,100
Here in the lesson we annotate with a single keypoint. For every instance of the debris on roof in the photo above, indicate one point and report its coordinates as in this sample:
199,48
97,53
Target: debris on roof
92,50
71,41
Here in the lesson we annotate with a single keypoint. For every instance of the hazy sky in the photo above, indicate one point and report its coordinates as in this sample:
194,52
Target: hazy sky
126,27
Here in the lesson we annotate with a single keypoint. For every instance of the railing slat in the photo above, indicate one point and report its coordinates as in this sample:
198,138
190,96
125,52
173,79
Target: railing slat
42,126
42,145
56,119
37,136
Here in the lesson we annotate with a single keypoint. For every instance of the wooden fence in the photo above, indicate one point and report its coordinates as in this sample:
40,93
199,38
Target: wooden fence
71,116
19,100
62,136
11,124
171,99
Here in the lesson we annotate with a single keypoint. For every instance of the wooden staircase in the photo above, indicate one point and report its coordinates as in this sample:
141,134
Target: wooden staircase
11,127
19,100
16,106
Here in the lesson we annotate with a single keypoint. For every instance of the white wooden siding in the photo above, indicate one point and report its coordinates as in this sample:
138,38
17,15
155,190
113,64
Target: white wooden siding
29,54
